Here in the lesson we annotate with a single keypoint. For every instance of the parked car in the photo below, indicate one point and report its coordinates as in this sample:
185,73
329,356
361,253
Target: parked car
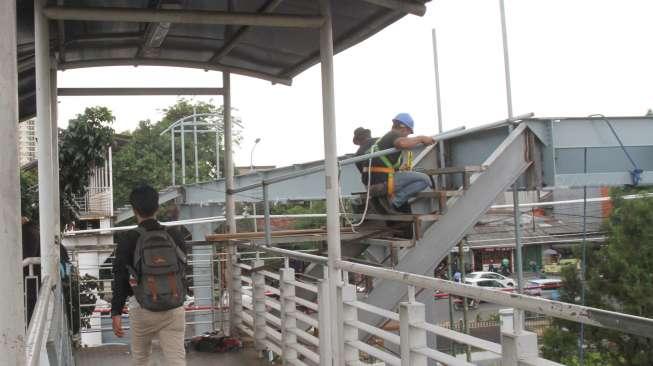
545,287
506,281
483,282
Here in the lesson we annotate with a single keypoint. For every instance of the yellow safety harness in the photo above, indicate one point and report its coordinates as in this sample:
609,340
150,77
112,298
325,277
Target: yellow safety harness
389,168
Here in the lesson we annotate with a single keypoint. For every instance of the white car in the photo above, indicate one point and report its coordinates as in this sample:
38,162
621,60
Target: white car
486,282
505,281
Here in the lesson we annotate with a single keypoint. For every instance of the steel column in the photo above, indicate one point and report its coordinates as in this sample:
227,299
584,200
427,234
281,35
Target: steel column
266,215
230,209
55,154
331,182
197,167
172,151
12,317
217,150
518,323
183,153
47,213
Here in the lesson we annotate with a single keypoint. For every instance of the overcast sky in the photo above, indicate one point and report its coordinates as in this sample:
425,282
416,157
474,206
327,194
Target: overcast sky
568,58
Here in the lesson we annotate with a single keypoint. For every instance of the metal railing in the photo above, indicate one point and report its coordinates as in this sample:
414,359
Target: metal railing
47,335
294,327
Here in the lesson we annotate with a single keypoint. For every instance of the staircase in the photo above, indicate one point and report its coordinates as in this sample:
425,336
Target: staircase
166,195
459,212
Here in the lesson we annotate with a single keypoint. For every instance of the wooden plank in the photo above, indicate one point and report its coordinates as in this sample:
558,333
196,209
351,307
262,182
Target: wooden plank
456,169
261,234
402,218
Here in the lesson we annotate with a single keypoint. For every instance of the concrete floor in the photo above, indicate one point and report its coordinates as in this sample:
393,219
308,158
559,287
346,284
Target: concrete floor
114,355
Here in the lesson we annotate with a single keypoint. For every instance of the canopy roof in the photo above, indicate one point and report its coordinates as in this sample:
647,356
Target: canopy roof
281,40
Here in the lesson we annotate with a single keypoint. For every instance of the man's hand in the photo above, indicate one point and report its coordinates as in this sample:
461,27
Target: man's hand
116,321
427,140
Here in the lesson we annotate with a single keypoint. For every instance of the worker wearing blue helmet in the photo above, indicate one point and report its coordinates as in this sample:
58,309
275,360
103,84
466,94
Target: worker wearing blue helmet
401,184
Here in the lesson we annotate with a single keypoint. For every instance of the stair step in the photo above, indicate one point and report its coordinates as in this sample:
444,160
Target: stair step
389,242
436,194
456,169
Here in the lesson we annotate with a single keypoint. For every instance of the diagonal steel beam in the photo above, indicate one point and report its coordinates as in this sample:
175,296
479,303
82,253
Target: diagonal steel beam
269,7
504,166
410,7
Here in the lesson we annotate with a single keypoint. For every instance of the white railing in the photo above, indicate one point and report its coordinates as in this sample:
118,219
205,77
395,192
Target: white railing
297,328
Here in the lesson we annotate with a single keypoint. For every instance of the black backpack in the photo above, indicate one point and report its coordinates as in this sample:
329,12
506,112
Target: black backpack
159,267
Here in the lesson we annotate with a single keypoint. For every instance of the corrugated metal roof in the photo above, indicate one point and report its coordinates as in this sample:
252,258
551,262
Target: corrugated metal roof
273,53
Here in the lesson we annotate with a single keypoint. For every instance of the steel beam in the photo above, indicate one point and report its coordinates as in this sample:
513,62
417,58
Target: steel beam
269,7
12,316
404,6
47,211
142,15
69,92
507,163
174,63
332,186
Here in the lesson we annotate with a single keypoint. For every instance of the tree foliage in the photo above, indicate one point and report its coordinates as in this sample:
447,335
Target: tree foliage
83,146
146,157
619,278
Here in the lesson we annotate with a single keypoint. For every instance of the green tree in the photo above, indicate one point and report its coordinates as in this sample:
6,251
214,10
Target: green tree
619,278
82,146
146,157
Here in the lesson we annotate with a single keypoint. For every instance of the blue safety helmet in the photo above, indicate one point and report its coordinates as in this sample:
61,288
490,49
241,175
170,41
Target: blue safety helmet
405,119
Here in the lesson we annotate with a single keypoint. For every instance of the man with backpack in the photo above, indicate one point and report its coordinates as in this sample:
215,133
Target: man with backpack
149,267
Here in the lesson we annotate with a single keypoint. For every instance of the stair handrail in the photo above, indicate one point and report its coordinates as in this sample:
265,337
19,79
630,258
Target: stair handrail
438,137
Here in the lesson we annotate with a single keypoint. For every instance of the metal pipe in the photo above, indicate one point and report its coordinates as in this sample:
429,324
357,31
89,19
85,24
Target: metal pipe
461,268
439,137
254,216
408,7
70,92
172,152
49,251
622,322
183,155
583,265
332,185
506,56
197,166
438,104
181,16
292,254
12,317
266,215
217,150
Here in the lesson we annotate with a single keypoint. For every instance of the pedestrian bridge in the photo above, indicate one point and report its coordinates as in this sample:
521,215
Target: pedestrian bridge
310,317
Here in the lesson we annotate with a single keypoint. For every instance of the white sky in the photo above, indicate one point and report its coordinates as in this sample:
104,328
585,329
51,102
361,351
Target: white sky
568,58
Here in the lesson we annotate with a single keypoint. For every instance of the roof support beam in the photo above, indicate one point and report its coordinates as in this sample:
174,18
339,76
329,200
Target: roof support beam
68,92
174,63
141,15
269,7
404,6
